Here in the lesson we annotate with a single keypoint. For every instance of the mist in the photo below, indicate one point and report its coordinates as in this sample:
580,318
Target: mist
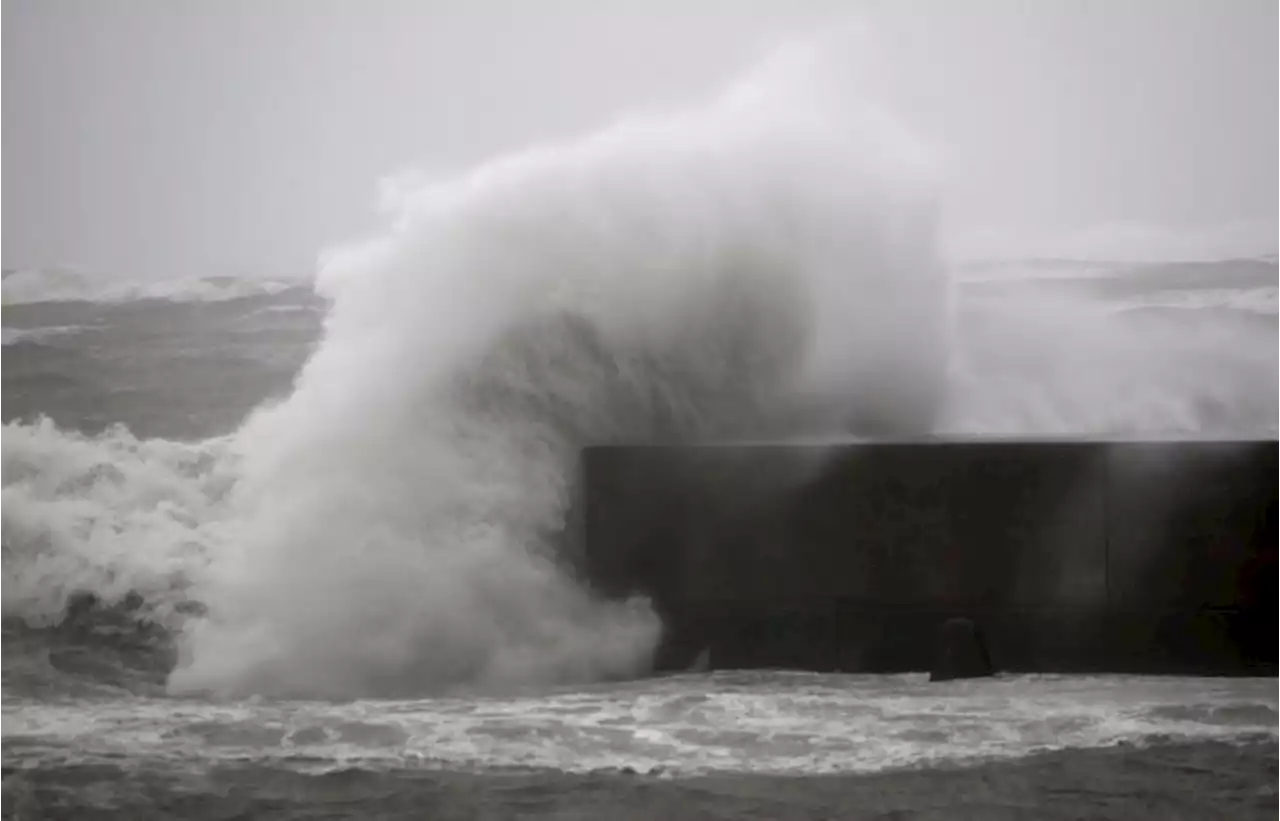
176,138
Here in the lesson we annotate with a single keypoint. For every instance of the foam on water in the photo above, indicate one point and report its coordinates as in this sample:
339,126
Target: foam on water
740,722
108,515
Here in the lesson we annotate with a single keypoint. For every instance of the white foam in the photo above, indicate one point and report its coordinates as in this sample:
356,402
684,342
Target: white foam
727,722
107,515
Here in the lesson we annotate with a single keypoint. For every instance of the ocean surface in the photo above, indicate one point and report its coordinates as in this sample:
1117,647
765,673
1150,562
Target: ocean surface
294,548
120,418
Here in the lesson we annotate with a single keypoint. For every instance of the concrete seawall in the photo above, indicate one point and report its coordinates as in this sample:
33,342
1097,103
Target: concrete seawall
1154,557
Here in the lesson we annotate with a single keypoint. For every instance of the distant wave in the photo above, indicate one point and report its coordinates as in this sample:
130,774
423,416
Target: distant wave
14,336
1260,301
37,285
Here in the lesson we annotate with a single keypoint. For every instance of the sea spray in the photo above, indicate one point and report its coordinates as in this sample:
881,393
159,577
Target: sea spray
1070,363
756,266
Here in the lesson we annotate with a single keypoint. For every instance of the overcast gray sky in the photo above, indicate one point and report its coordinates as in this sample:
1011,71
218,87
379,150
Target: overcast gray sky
150,138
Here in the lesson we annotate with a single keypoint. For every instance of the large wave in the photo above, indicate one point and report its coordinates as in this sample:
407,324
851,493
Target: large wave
676,277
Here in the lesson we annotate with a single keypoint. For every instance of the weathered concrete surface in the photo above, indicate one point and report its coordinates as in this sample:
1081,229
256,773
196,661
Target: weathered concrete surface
1074,556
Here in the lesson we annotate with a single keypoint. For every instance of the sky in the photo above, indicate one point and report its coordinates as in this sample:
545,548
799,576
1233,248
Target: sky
151,139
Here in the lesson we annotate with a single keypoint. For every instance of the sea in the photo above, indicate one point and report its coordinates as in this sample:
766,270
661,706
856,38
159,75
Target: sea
294,548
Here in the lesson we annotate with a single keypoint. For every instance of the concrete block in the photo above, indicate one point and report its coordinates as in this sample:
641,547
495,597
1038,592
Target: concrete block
1142,556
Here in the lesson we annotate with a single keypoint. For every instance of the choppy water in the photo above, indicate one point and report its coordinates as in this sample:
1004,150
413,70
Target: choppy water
92,688
745,722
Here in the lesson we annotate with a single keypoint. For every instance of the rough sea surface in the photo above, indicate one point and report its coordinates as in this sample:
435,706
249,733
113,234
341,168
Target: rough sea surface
95,392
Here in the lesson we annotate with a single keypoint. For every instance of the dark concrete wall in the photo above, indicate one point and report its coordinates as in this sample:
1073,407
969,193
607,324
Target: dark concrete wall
1075,556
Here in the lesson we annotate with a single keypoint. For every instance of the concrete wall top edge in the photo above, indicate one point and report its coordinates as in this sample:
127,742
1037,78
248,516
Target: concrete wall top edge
783,444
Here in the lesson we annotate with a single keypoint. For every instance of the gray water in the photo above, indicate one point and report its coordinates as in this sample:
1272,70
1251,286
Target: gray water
106,404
